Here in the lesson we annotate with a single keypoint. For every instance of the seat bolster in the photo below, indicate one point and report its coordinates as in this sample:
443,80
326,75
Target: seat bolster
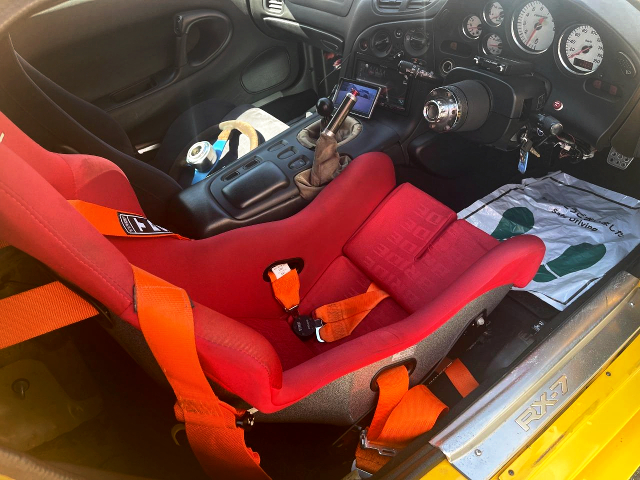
233,355
101,182
514,261
35,218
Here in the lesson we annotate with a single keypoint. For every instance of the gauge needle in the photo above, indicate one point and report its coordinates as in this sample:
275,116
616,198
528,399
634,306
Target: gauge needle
584,49
537,27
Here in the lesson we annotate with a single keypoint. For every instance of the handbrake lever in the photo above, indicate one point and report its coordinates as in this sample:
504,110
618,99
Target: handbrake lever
342,113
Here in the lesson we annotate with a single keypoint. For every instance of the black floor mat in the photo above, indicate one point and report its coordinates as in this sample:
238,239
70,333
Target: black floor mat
458,172
289,108
465,173
597,171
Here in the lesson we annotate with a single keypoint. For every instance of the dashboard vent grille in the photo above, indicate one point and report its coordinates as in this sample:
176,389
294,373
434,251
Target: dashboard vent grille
417,4
389,4
274,6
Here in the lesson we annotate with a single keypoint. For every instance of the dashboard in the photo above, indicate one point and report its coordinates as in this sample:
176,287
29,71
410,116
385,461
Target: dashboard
590,70
582,51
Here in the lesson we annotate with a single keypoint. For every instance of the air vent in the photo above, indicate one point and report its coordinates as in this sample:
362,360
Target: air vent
389,4
274,6
417,4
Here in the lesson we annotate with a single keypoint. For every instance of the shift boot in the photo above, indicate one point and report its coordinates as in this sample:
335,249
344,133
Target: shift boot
327,165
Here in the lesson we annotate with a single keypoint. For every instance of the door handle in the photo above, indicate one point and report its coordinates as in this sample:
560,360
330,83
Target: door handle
213,30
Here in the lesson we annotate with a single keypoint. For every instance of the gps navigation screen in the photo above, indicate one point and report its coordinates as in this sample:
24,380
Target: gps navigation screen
367,97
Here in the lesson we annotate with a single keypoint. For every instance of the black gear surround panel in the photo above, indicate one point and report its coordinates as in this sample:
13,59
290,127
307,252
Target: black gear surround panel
260,187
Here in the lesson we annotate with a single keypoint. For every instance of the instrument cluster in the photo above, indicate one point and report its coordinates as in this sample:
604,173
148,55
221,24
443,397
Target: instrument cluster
587,65
497,27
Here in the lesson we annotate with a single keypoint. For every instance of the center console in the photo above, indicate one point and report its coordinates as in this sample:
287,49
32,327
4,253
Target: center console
260,187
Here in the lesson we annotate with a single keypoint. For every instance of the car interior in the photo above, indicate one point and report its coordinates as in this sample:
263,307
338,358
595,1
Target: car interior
207,120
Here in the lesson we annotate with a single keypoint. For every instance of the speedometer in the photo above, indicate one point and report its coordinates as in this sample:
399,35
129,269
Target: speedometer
533,28
581,50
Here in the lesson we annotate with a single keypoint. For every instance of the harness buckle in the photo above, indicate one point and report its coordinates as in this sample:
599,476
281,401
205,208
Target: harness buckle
382,450
318,337
305,327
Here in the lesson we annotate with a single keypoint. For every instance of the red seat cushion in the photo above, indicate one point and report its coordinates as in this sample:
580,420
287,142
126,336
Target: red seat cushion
414,248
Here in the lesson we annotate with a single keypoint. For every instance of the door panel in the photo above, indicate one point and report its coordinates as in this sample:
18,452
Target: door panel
146,62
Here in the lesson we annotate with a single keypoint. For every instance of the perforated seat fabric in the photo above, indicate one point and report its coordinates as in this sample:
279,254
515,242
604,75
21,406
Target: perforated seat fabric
354,232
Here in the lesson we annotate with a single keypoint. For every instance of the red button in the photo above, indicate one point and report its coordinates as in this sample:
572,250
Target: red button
613,90
597,84
557,105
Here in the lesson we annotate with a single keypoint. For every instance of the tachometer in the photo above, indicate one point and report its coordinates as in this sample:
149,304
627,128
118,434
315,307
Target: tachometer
492,44
472,27
533,28
494,13
581,50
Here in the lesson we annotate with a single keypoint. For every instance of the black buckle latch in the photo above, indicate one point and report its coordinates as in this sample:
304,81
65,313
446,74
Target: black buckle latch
305,326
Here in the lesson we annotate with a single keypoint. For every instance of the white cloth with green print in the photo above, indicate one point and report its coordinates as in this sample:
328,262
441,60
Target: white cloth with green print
586,230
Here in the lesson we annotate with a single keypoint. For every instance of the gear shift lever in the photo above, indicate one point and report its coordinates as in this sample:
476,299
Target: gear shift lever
324,107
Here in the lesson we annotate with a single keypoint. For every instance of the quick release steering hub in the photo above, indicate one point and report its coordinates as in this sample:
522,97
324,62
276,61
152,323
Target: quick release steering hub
462,106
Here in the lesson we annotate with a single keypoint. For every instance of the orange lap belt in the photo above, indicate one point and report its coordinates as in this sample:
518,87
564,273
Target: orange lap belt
333,321
401,415
461,378
114,223
341,318
41,310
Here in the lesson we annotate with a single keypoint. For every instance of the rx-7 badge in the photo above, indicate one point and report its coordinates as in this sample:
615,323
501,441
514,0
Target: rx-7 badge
538,409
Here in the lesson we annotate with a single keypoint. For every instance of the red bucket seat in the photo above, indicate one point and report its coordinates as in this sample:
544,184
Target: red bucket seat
441,274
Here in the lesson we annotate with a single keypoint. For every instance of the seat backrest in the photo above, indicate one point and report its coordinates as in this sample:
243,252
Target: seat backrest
42,119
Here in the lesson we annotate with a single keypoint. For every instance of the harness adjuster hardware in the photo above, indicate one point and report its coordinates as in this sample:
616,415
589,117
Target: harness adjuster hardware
246,421
305,327
381,449
293,311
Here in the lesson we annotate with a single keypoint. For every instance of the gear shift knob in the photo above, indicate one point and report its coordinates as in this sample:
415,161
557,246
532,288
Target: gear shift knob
324,107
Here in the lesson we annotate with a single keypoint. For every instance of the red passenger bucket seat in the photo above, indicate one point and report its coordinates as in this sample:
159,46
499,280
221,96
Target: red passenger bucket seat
440,273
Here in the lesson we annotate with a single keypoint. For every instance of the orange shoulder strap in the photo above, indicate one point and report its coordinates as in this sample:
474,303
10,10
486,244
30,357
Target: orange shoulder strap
40,310
166,320
401,415
461,378
114,223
